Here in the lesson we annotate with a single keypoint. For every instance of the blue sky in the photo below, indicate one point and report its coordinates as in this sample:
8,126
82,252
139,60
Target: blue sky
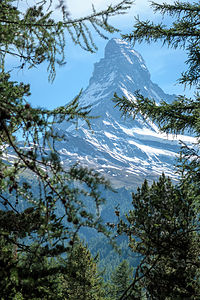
165,65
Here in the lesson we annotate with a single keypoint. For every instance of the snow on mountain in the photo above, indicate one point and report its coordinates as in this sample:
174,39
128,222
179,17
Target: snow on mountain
124,150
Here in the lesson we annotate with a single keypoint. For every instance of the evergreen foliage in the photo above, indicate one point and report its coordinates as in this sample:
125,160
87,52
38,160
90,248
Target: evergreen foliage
184,32
183,113
163,227
81,280
34,36
31,230
120,279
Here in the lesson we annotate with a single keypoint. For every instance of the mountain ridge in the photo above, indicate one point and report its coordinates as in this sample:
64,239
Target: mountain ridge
124,150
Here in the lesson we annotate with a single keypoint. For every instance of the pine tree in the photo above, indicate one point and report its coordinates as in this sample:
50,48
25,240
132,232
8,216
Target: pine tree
120,279
35,187
165,217
162,229
81,279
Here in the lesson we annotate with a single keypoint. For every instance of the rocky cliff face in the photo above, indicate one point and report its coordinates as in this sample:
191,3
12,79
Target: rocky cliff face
124,150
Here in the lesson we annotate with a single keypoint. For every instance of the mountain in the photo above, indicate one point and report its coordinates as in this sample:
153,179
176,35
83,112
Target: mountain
124,150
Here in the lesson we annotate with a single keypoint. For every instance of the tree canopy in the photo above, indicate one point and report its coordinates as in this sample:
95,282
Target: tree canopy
183,113
163,226
163,229
33,35
42,205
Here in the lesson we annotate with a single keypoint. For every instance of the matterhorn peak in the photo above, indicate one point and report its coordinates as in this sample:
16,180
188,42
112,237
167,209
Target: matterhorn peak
116,48
120,60
121,70
123,150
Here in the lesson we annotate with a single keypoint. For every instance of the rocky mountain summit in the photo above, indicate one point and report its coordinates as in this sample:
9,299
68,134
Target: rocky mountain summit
124,150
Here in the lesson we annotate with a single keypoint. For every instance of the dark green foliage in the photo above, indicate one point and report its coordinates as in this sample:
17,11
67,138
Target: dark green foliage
163,227
8,266
42,205
30,276
120,280
81,279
